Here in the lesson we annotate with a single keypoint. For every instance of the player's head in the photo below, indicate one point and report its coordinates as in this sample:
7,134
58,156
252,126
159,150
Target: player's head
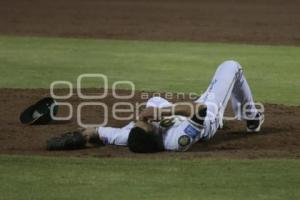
142,141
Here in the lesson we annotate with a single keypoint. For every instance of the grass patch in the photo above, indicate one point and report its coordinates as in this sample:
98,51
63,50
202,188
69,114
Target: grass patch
33,62
31,177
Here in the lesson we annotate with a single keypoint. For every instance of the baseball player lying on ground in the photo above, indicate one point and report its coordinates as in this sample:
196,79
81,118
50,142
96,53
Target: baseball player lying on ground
176,127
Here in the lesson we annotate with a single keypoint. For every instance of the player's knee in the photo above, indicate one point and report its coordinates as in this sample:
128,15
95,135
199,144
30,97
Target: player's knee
231,65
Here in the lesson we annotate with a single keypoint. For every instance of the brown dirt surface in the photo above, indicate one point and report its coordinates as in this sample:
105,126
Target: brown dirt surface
279,138
246,21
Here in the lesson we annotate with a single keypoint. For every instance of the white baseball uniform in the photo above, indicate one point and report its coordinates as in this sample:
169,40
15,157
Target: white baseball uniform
228,82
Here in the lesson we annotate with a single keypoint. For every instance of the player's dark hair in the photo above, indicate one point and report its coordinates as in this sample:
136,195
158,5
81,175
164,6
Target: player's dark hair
140,141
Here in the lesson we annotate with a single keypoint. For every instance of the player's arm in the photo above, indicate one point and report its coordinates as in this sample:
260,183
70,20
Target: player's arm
195,111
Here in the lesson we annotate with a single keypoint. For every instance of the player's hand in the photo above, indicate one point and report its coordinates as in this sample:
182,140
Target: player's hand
150,113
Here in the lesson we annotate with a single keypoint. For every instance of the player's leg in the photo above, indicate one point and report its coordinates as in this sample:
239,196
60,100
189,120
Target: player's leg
244,107
243,104
241,95
217,95
221,86
228,81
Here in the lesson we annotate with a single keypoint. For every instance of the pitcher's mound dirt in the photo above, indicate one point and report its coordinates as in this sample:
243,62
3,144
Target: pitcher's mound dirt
280,136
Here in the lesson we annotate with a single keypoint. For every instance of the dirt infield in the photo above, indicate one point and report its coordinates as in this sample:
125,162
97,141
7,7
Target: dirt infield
247,21
280,136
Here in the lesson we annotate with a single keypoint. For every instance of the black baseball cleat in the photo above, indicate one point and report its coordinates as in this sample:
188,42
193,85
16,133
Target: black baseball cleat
254,125
67,141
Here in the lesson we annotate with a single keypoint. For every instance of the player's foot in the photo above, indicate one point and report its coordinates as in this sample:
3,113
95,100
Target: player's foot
67,141
254,125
